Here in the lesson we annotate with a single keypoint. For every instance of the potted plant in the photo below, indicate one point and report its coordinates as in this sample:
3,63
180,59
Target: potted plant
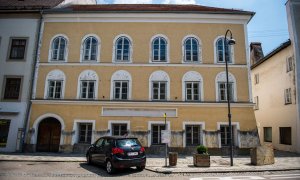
201,158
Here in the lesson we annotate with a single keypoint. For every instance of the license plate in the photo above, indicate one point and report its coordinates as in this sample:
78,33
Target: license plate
132,153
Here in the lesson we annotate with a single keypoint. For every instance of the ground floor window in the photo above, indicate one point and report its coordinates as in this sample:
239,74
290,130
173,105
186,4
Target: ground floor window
192,135
85,133
268,134
285,135
225,135
156,133
4,129
119,129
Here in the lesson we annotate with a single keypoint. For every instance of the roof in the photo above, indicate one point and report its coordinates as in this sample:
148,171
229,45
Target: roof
119,137
28,4
272,53
158,8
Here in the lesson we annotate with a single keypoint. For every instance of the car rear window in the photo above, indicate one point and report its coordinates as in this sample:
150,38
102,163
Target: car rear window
128,142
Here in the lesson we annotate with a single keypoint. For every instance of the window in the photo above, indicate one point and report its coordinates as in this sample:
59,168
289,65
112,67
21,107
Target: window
192,135
17,49
58,49
156,133
288,96
90,49
225,135
122,49
55,89
268,134
85,133
256,106
120,90
87,89
119,129
285,135
191,50
159,49
159,90
12,88
192,90
256,78
289,64
4,129
223,91
220,54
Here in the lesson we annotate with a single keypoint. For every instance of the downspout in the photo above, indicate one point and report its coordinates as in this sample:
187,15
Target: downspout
34,72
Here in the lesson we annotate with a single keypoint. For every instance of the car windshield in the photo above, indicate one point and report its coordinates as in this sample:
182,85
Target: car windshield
127,142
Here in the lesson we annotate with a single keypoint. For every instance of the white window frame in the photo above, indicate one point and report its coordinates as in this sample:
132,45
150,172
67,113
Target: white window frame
192,76
199,49
87,88
114,55
87,75
288,96
221,77
216,54
83,48
54,89
121,75
167,49
53,76
202,127
150,123
75,136
121,89
157,76
111,122
236,129
66,49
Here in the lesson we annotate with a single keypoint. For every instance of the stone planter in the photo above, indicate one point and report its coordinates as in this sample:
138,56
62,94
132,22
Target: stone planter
262,155
201,160
173,158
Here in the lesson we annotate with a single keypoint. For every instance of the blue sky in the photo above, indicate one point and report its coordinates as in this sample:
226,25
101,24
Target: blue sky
268,26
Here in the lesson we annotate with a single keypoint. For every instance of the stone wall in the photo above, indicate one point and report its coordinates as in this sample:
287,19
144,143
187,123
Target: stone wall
249,139
176,138
211,139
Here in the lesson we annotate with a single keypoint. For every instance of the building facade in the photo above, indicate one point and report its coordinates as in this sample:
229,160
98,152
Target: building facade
117,69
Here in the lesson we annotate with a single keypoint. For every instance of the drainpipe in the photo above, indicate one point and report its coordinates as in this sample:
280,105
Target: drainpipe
32,85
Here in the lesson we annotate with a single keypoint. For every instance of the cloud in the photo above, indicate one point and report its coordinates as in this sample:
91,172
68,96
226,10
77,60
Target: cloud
179,2
101,2
132,2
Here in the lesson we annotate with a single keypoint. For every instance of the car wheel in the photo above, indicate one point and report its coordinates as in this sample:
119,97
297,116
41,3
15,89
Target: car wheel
140,168
89,159
109,167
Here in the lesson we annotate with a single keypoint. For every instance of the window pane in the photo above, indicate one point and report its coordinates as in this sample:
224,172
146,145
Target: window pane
4,129
285,135
17,50
12,88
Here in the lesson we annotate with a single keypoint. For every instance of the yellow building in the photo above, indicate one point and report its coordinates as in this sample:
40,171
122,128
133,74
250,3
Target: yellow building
116,69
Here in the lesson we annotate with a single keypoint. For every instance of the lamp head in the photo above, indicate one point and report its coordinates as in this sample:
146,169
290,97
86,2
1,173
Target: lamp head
231,42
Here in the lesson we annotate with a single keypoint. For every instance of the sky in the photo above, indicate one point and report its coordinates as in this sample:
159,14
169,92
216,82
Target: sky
268,26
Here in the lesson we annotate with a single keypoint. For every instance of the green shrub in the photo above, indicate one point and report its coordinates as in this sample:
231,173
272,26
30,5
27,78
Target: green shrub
202,149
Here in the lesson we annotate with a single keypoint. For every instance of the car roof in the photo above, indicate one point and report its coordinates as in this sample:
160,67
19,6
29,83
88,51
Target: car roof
118,137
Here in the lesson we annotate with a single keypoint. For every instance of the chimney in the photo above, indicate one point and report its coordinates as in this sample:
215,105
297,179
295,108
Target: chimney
256,52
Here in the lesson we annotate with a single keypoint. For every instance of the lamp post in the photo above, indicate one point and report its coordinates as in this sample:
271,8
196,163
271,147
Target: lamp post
231,41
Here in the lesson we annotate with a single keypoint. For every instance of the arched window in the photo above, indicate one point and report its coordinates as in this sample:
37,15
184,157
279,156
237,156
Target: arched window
55,85
220,51
87,85
59,49
159,84
90,49
122,49
159,49
191,50
121,85
192,86
221,87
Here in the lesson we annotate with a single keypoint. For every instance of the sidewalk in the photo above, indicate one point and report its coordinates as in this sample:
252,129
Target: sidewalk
283,161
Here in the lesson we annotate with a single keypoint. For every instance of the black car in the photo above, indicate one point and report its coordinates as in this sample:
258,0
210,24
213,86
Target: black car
117,152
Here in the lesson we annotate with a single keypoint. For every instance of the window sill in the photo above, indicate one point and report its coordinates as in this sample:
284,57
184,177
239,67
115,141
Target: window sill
16,60
287,103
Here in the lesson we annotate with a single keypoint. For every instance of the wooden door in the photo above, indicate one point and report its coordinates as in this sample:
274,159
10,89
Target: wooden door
49,135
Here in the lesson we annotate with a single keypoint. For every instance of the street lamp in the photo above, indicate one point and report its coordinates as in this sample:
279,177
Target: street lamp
230,41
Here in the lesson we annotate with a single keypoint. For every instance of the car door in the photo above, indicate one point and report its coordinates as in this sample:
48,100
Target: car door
96,151
105,149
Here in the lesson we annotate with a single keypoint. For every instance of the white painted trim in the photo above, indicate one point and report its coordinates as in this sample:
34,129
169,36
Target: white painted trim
215,52
93,76
36,123
235,125
98,48
159,76
76,129
66,48
130,48
111,122
156,122
220,78
121,75
199,49
150,104
145,65
194,77
151,49
55,71
202,127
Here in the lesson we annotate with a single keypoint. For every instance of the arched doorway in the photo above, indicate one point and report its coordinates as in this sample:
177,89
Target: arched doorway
49,132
